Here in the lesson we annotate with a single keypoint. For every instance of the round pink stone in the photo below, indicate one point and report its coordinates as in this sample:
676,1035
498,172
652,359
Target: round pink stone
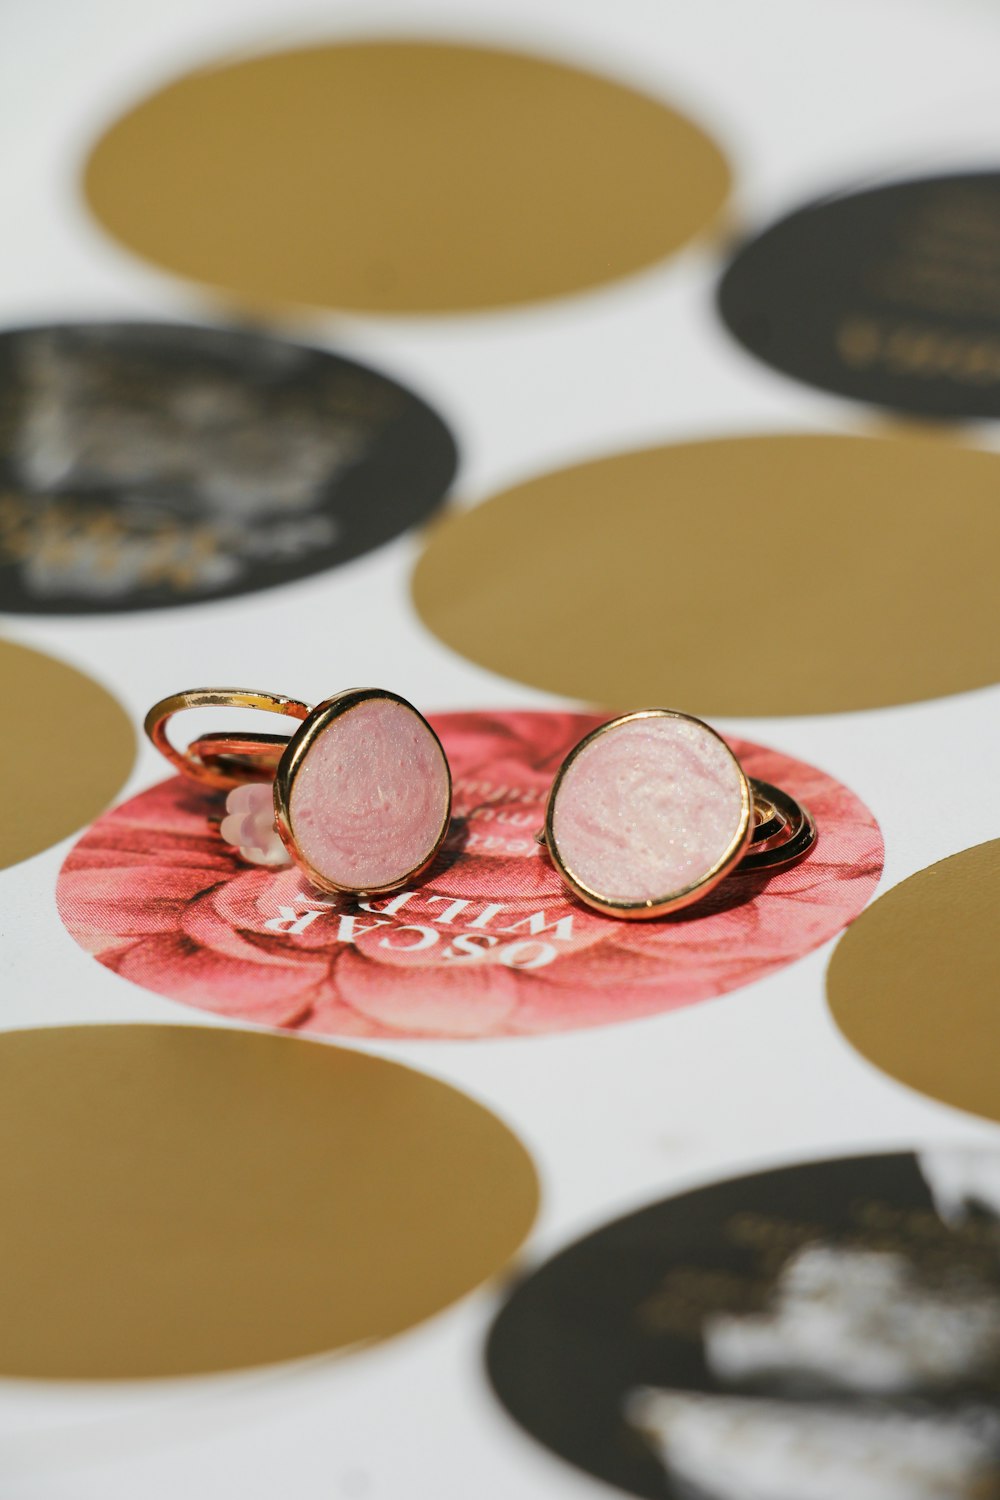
648,809
370,797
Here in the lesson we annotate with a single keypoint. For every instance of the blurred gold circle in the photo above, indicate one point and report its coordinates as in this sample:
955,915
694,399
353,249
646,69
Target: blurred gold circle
745,576
68,748
403,176
914,984
186,1199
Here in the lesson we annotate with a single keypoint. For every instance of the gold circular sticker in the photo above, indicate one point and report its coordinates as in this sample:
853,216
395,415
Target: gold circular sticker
744,576
186,1199
68,749
914,986
403,176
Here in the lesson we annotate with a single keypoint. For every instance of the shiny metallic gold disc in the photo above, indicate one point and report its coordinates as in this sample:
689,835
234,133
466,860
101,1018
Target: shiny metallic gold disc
625,580
403,176
915,983
181,1199
68,747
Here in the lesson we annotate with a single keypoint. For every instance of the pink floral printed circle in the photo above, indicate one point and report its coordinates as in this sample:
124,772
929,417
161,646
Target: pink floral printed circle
488,944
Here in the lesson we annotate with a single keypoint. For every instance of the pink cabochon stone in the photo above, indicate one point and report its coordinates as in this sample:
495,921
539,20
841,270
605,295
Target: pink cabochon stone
370,796
648,809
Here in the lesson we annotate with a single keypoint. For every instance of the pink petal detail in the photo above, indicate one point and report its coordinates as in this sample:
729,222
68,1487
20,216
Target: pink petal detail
245,799
250,825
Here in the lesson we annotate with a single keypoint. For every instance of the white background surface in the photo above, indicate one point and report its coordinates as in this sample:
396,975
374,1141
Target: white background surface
804,98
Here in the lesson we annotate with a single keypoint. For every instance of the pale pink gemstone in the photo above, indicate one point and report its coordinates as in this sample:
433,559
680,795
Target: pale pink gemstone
371,796
648,809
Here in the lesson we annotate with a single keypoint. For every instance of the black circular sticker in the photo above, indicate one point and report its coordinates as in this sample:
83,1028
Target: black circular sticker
811,1333
891,295
145,465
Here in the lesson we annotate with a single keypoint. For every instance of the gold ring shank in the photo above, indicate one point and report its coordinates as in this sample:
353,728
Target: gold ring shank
229,760
788,843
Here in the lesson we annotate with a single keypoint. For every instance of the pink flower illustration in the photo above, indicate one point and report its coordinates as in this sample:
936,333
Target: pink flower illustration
488,944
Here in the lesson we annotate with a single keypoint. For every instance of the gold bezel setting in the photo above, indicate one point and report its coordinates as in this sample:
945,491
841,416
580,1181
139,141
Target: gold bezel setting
291,762
676,900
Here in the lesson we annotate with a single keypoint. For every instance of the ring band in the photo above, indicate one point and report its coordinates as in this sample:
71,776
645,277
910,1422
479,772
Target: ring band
208,770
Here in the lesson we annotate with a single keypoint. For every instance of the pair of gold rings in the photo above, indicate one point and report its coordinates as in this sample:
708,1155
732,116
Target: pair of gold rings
646,814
